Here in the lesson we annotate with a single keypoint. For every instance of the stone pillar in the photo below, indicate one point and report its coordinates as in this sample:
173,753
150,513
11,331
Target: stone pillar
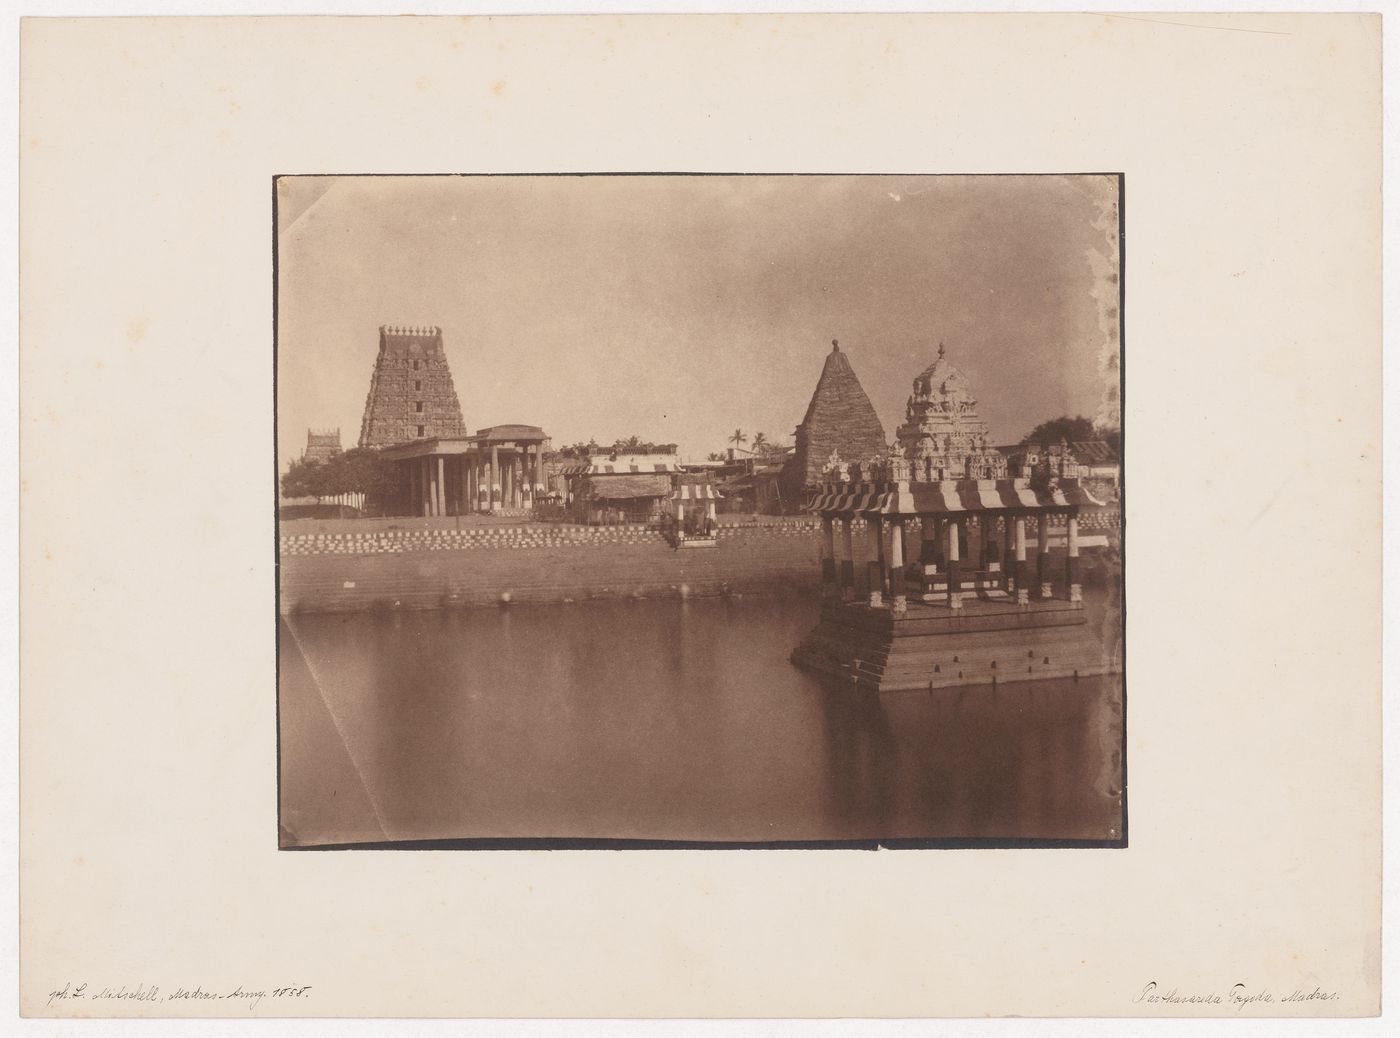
928,541
441,487
954,565
1076,591
991,553
1008,553
882,528
874,575
1022,571
540,487
1042,555
828,549
848,562
426,486
900,601
496,481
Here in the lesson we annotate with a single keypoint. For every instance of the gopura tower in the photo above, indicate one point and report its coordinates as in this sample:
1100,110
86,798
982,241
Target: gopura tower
942,437
321,446
411,395
839,419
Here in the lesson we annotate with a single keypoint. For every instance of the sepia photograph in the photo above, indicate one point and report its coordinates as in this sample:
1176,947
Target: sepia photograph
627,518
699,510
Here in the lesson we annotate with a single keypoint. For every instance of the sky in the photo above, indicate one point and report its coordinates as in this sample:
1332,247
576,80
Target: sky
681,308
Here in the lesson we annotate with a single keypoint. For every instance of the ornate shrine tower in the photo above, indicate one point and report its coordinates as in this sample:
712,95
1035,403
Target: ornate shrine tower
411,396
942,437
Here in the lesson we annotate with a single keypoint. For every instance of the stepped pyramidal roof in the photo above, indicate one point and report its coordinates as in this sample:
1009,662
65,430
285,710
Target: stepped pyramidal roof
411,395
839,419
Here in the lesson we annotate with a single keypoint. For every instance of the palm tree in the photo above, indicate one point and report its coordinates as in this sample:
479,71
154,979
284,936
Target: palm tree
739,437
759,442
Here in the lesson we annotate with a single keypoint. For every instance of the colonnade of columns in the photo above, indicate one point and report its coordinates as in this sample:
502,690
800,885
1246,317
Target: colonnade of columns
941,544
462,483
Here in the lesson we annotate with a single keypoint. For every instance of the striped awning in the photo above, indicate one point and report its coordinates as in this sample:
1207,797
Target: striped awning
695,492
948,497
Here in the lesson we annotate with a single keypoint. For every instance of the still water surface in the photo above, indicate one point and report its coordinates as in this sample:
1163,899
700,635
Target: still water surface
665,720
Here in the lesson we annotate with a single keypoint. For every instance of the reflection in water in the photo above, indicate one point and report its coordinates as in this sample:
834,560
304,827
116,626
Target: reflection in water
666,720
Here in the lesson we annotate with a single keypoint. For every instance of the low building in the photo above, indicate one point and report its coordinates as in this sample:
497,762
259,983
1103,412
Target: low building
618,486
761,486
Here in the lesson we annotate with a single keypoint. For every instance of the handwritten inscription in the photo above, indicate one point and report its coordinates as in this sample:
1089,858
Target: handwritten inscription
252,997
1238,997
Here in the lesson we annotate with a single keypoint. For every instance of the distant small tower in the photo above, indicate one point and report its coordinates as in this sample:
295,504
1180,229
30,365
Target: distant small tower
321,446
411,395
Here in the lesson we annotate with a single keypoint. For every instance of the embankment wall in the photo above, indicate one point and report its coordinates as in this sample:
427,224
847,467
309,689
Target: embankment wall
432,569
347,566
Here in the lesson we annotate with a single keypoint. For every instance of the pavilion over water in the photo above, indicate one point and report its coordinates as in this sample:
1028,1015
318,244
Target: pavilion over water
970,574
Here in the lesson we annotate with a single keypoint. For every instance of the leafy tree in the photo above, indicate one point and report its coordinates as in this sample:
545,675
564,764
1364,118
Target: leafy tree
364,471
1062,428
296,481
356,471
716,456
739,437
760,443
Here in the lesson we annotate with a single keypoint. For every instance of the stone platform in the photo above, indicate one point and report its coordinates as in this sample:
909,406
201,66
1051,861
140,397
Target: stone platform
932,646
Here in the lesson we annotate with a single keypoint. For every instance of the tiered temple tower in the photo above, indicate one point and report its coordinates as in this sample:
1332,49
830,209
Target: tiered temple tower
942,437
411,395
839,420
321,446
